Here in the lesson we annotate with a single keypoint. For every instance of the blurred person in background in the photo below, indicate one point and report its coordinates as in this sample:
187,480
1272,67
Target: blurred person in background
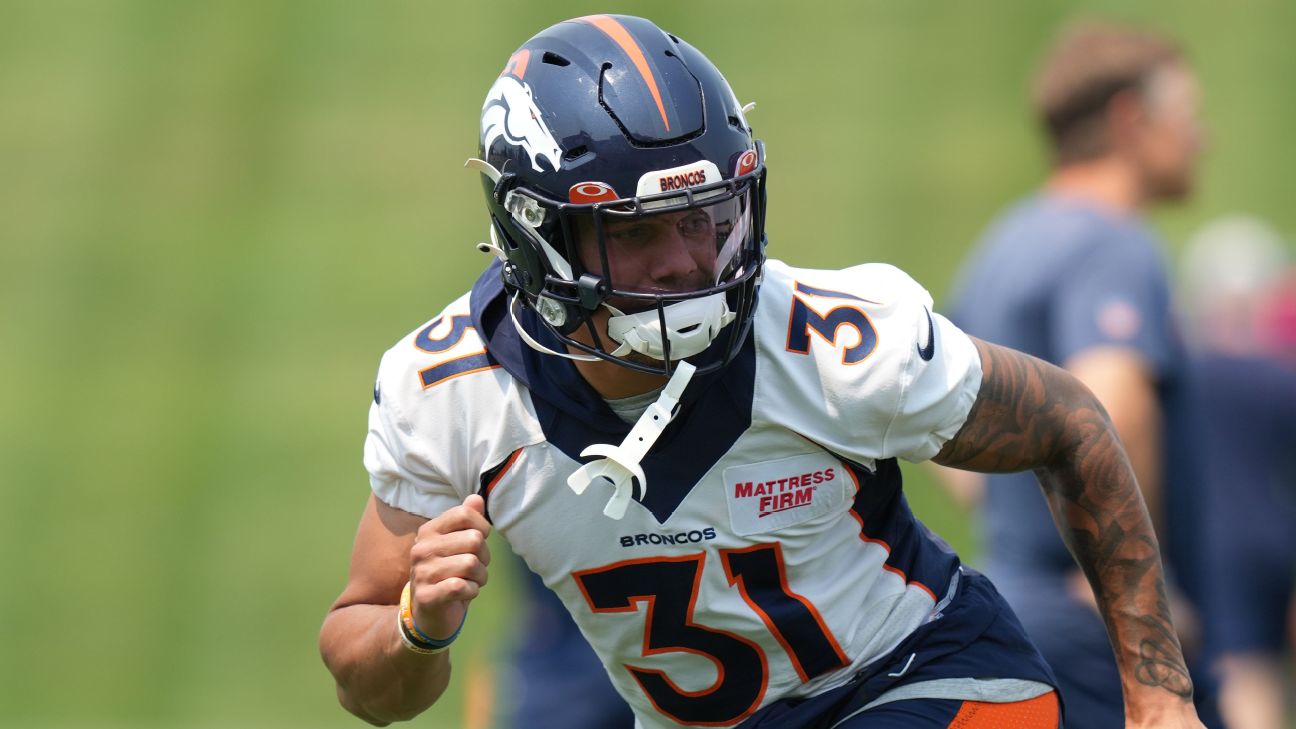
746,554
1074,275
1278,318
1232,277
1231,283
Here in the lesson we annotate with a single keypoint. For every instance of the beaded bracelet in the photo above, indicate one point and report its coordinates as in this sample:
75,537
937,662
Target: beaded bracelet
415,639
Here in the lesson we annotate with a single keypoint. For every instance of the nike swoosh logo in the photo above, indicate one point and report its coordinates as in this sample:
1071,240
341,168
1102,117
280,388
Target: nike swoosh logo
928,351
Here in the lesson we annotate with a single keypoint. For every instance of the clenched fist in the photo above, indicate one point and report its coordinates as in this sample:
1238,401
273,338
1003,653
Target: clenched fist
448,567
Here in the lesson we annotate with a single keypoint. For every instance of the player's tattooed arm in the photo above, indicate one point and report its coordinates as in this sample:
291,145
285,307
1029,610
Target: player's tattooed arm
1031,415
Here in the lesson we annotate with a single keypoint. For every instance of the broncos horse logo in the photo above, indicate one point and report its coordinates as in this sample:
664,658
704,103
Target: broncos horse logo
510,112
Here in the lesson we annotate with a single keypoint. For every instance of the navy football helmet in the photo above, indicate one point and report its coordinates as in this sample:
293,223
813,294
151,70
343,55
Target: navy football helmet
620,174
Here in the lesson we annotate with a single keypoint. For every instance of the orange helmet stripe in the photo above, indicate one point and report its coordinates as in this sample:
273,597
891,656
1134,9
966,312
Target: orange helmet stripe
517,63
622,37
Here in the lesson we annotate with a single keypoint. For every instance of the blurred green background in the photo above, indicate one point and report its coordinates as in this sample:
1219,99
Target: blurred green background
215,216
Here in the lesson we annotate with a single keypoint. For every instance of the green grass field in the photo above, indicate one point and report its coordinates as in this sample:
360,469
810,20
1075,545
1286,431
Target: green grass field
215,216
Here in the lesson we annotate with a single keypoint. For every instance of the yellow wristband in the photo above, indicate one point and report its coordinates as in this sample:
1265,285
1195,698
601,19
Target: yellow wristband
415,639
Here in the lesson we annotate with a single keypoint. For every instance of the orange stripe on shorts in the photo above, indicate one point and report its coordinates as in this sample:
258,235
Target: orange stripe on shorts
1040,712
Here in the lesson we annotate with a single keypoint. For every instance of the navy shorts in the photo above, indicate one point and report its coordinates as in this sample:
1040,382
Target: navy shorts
977,636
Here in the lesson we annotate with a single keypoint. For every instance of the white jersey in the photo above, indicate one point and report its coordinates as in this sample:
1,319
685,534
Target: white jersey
772,555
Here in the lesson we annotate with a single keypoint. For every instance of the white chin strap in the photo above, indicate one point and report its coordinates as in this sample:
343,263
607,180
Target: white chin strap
691,326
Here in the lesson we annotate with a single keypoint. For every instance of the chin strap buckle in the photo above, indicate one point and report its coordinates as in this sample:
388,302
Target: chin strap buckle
619,465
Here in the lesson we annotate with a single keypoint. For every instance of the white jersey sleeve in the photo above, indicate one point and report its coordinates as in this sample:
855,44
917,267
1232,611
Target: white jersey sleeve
938,390
867,369
444,413
399,474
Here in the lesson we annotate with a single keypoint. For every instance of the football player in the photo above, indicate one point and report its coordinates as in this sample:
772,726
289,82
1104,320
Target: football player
695,447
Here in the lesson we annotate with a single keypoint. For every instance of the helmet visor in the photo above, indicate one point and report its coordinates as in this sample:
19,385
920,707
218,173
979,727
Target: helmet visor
669,249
